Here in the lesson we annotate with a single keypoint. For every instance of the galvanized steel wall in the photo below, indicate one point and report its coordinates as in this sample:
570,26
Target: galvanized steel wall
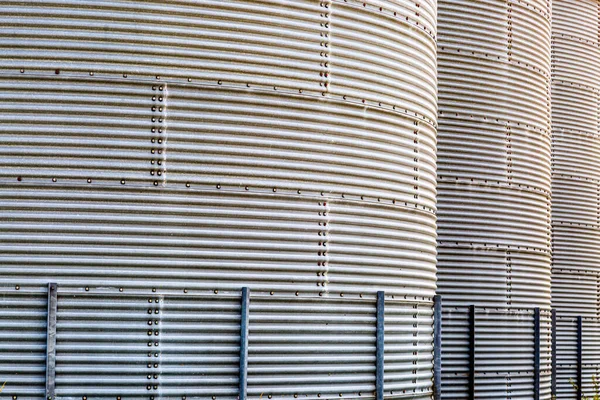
158,156
494,192
576,186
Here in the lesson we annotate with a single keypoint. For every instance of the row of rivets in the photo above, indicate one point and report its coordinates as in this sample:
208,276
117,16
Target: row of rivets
157,139
153,342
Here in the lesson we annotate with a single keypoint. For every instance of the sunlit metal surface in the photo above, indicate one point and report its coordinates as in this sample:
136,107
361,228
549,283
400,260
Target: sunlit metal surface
159,156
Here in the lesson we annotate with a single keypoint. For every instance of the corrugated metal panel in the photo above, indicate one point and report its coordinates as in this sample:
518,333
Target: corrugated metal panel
575,186
504,353
134,346
408,350
494,170
311,348
23,349
180,151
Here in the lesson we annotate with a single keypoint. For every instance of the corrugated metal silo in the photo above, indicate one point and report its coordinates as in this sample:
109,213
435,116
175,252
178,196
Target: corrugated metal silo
494,195
159,156
576,188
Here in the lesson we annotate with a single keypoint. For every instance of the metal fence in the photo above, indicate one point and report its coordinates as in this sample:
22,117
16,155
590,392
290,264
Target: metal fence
496,353
82,345
198,347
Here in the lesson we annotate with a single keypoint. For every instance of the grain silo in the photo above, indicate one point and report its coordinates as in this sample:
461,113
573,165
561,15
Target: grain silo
159,157
576,191
494,239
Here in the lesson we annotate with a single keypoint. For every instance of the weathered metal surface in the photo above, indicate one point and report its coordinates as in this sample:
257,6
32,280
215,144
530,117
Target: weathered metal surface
244,331
177,152
437,347
380,347
51,342
494,180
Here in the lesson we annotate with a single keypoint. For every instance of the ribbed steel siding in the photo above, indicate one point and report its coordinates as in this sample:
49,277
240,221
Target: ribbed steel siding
493,187
576,185
160,156
23,348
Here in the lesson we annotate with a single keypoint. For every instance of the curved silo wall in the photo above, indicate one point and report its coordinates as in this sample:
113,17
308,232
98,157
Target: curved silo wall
575,187
494,243
158,157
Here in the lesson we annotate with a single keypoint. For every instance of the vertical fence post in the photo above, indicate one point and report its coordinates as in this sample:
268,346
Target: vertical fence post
553,378
472,352
437,347
536,353
579,357
380,345
51,342
244,325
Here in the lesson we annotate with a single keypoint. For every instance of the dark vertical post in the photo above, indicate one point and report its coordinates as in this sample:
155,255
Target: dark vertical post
472,352
553,383
579,357
437,347
51,342
244,324
380,347
536,353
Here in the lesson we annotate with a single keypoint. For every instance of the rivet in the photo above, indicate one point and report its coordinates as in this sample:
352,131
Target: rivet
187,184
154,290
91,74
216,291
17,287
122,181
272,293
87,289
53,179
22,70
124,75
120,289
89,180
185,290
